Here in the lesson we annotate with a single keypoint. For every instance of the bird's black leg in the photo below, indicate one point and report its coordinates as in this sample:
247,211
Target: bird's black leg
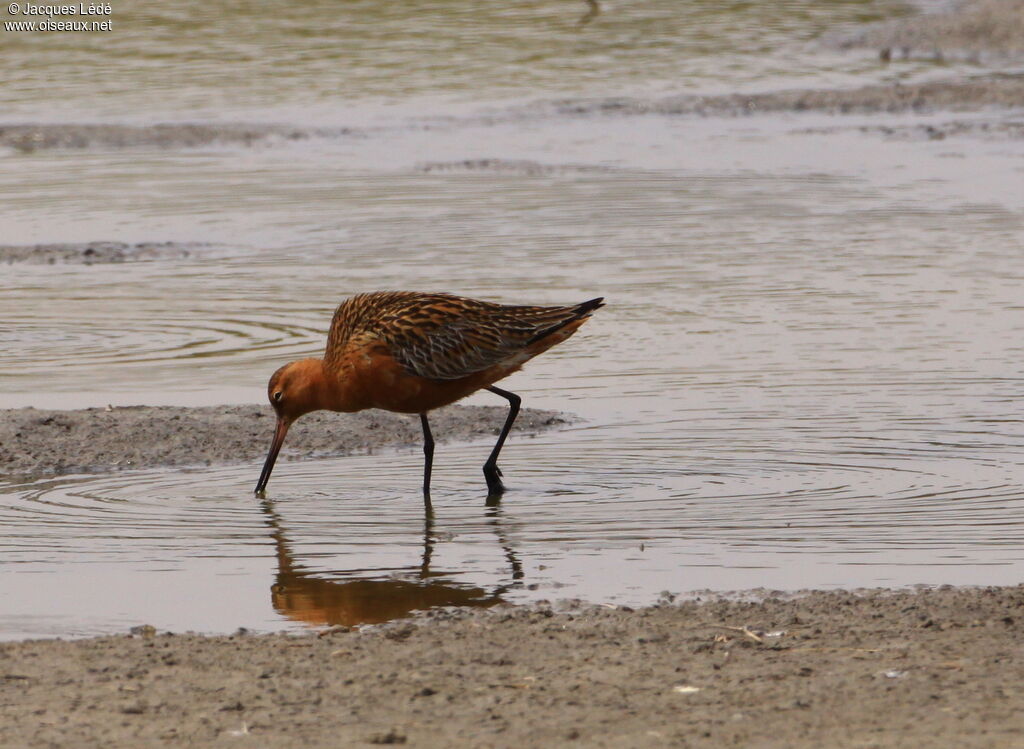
428,456
491,471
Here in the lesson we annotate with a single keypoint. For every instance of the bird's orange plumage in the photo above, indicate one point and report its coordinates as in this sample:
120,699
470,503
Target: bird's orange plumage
412,352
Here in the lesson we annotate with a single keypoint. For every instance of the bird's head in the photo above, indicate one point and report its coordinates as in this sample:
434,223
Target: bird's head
295,389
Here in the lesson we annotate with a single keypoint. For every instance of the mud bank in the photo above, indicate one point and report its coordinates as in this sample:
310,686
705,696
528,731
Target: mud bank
50,136
931,668
37,442
508,166
93,253
952,95
997,130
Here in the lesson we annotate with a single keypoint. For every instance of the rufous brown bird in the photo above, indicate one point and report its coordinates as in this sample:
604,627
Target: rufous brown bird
411,352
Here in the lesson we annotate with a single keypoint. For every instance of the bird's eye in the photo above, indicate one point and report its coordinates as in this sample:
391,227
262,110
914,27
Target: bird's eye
277,395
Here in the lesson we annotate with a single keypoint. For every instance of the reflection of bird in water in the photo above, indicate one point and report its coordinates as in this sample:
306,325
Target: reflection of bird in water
411,353
301,595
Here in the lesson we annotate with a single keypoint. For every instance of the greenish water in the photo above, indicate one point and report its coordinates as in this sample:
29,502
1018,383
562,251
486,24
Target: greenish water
348,61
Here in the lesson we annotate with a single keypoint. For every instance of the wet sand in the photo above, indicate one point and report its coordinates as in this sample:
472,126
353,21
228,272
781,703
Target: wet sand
837,669
92,253
957,95
46,136
985,129
985,91
41,442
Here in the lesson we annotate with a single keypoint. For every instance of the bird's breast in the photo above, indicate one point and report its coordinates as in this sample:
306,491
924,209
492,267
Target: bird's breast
377,380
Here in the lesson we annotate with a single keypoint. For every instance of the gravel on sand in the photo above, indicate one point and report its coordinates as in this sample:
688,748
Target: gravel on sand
940,667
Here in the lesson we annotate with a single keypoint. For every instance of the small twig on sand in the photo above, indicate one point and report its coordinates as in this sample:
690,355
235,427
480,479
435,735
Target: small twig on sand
834,650
744,630
337,628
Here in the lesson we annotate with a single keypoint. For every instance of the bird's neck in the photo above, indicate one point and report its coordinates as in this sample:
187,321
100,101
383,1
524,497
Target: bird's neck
335,388
317,390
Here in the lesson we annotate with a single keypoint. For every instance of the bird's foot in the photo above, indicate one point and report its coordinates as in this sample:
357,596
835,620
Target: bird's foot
493,475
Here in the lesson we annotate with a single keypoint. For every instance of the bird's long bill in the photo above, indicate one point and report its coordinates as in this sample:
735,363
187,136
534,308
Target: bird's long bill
275,448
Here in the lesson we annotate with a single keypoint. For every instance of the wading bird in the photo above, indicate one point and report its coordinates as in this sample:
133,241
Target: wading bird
411,353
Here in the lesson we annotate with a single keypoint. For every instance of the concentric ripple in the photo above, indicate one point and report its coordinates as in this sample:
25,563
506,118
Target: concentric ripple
76,333
348,540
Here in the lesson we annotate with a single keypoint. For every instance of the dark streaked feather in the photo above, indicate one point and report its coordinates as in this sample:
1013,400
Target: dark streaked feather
441,336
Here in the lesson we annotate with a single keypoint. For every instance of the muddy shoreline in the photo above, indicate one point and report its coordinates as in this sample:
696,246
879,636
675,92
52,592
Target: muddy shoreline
1003,91
938,667
36,442
91,253
987,90
31,137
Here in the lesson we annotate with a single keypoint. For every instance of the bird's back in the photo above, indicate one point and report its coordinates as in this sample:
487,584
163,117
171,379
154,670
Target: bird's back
442,336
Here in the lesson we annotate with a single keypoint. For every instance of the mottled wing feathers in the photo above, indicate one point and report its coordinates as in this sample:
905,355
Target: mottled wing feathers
444,337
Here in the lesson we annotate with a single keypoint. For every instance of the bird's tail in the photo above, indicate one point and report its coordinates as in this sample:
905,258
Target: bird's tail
579,312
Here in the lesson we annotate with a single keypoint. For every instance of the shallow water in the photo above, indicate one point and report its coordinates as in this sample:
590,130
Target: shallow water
807,374
350,62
